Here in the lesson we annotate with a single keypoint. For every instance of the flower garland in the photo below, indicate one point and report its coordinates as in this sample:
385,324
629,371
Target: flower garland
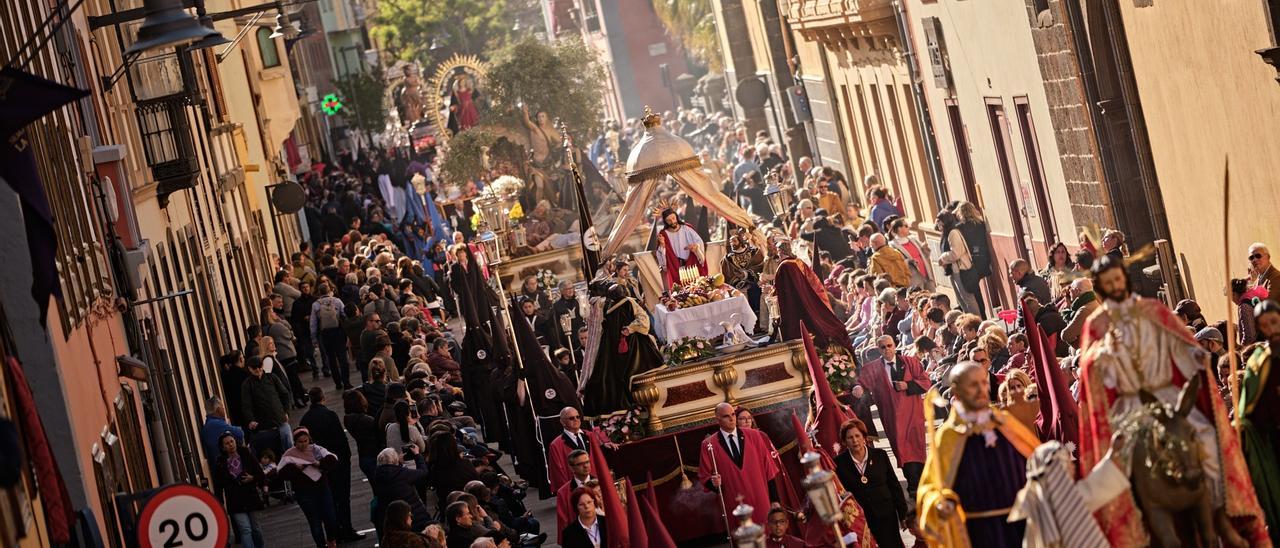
686,350
624,427
841,371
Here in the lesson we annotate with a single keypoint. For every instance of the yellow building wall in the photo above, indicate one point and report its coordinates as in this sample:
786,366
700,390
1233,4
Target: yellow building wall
1002,66
264,101
1208,98
873,100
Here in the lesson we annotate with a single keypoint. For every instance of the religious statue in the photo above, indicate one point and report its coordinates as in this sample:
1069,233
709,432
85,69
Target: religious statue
1257,414
742,266
626,350
463,98
679,245
410,104
544,138
1136,348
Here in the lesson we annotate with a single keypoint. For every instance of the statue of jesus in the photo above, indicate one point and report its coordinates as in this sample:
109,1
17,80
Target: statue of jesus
1135,345
679,245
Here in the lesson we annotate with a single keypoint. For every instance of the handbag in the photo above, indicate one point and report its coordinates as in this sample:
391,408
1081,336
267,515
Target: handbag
622,345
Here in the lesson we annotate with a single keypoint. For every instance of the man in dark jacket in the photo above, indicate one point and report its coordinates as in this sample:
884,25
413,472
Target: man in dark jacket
368,338
828,237
263,400
1021,275
327,432
300,321
394,481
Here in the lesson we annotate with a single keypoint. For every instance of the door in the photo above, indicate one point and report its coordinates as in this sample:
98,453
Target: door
1000,137
961,139
1031,145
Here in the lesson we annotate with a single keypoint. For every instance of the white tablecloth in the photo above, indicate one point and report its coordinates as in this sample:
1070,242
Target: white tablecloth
701,321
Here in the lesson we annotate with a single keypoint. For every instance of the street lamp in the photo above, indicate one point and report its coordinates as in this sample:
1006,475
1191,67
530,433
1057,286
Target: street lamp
749,534
778,195
492,249
820,485
167,24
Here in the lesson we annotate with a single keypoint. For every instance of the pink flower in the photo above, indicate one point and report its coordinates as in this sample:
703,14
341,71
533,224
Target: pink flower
626,430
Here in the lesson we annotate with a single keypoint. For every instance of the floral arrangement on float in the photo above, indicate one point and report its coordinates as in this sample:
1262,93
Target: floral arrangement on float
624,427
506,187
697,291
842,372
686,350
547,279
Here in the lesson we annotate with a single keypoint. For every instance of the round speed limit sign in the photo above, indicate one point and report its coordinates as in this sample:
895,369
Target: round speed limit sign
185,516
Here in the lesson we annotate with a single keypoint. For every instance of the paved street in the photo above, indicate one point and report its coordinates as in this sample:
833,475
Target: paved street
284,525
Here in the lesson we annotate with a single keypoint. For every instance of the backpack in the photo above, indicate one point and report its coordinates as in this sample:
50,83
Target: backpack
327,317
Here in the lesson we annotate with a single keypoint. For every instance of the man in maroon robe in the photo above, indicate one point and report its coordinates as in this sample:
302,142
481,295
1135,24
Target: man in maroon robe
738,462
803,299
573,438
897,384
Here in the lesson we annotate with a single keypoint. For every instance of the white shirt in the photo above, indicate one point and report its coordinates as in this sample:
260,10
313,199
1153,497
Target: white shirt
577,436
729,440
861,464
593,531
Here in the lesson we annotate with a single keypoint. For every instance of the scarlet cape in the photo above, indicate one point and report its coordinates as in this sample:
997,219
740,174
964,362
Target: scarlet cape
901,412
748,479
801,298
558,456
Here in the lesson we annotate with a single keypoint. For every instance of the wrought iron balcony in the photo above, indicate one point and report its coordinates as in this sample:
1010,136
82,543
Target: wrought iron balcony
165,126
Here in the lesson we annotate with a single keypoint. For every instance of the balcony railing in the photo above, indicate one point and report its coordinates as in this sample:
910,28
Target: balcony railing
165,127
228,171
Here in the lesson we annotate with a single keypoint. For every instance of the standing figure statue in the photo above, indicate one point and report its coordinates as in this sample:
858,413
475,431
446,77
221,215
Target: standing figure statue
544,138
409,101
1135,347
626,349
463,100
679,245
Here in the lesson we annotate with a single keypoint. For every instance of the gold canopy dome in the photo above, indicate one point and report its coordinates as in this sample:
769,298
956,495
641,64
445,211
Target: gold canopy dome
659,153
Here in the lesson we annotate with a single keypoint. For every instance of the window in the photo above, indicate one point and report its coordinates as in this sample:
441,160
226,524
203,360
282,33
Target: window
267,48
1041,16
591,16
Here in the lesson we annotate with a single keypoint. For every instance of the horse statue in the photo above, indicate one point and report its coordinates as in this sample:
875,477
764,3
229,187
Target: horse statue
1167,473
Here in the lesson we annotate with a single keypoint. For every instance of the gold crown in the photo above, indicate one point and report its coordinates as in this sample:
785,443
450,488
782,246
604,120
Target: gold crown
650,118
663,205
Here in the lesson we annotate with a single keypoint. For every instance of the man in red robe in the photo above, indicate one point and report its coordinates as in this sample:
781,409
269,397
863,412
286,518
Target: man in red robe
573,438
579,462
679,245
897,384
738,462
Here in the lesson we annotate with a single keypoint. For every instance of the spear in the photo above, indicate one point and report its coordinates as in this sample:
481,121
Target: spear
1226,252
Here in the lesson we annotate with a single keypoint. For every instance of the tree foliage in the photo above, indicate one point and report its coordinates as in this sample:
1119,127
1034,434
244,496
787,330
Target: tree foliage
693,24
465,159
564,80
407,28
364,94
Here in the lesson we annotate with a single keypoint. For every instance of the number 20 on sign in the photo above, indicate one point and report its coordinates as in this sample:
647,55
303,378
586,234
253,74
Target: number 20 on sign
182,516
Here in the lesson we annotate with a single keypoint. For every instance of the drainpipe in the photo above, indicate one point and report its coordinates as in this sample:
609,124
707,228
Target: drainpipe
922,106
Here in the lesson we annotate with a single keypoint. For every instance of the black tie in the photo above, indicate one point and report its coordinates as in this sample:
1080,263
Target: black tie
735,450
